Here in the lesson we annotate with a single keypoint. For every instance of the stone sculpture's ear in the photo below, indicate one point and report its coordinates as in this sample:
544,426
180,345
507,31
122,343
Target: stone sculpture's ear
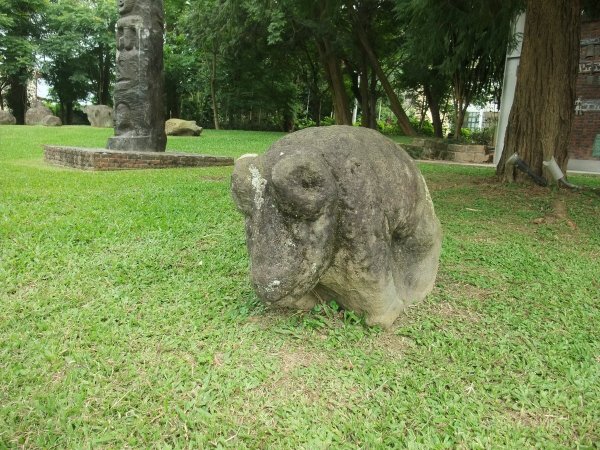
303,186
242,180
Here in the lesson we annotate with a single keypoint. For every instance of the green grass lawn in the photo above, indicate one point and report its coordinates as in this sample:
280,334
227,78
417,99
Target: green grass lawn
127,318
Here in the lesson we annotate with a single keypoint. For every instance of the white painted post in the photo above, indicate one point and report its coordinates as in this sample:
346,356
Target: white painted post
508,87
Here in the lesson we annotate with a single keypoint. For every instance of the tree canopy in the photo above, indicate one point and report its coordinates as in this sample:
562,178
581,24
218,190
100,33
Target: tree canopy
264,64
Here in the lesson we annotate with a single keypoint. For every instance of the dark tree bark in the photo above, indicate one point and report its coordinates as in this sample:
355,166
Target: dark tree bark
213,88
335,78
17,98
374,97
540,119
359,77
3,85
315,92
368,95
434,109
395,104
105,66
365,100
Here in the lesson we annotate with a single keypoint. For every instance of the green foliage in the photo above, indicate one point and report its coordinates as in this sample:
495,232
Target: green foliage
19,29
327,121
128,318
303,122
389,127
465,48
424,128
78,49
243,69
485,136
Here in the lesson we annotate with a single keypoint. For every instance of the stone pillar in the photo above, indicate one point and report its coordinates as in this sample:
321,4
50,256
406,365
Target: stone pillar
139,104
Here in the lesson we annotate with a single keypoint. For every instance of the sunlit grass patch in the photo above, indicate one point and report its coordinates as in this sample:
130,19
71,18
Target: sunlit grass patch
127,318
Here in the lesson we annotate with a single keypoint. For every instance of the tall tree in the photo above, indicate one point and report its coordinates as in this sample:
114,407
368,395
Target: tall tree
19,25
65,55
100,43
540,119
366,16
250,72
466,42
78,52
326,18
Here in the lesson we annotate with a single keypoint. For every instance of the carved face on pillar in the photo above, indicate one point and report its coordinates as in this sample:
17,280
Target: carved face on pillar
125,6
127,38
123,118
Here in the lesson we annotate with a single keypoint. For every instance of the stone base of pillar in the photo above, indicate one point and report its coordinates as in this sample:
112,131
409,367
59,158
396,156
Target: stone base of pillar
102,159
135,143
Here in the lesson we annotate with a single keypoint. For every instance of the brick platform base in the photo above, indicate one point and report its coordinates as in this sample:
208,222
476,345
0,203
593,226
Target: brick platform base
102,159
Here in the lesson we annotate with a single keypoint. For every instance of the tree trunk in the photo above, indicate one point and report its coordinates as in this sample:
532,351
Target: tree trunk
105,70
539,124
395,104
434,109
69,115
460,111
373,101
17,99
319,108
213,93
335,78
368,95
461,102
365,107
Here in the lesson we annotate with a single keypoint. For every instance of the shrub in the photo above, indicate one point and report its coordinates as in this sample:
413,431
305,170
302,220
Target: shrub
485,136
304,122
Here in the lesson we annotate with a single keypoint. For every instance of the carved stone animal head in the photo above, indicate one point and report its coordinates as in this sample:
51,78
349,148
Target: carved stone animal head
289,204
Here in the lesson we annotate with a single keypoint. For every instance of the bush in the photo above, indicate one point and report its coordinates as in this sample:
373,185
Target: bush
423,129
304,122
389,128
392,128
326,121
485,136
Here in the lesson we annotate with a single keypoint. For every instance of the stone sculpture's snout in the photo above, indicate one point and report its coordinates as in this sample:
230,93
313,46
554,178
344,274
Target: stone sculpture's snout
289,211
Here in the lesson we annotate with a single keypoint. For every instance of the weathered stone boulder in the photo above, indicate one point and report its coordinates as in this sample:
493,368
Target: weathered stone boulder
338,213
39,115
6,118
179,127
51,121
35,114
99,116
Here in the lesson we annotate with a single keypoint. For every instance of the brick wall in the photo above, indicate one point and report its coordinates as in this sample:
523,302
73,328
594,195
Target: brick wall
586,126
101,159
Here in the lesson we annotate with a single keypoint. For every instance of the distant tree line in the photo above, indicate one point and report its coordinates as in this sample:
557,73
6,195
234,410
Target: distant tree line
264,64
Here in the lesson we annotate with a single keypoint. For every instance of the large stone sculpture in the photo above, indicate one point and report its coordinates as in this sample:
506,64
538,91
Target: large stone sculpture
179,127
139,110
39,114
6,118
99,116
338,213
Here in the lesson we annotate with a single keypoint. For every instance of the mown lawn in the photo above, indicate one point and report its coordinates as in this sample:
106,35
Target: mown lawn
127,318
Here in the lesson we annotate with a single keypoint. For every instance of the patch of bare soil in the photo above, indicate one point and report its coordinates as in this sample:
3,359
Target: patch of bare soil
557,214
533,419
389,343
215,178
454,312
